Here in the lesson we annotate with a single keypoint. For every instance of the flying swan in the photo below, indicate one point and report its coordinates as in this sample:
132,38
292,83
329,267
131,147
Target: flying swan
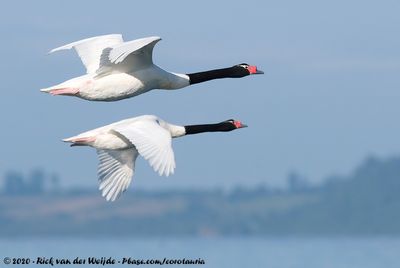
117,70
119,144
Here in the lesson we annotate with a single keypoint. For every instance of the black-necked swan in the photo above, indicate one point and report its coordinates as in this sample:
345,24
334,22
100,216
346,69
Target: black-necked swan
117,70
119,144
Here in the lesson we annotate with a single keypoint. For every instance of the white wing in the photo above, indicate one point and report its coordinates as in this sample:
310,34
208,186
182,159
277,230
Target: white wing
90,49
115,171
129,56
153,143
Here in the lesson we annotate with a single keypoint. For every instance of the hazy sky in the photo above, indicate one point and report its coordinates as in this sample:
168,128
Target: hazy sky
329,97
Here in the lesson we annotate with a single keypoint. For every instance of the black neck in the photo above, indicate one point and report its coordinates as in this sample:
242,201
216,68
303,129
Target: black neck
231,72
220,127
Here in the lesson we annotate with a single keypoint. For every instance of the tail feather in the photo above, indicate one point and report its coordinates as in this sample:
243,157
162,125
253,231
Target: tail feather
46,90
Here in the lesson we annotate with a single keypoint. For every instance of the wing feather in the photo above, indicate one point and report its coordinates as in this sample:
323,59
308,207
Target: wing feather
153,142
127,57
115,171
91,49
143,47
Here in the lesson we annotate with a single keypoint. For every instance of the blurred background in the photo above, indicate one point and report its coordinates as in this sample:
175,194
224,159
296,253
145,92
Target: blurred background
313,181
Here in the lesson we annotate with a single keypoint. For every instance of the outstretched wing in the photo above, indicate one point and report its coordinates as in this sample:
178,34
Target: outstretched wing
90,49
115,171
153,142
129,56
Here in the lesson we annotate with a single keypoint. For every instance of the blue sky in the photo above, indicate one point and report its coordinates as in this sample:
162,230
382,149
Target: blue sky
329,96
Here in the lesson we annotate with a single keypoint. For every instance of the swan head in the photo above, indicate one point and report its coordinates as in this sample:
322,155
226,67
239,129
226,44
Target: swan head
232,124
244,69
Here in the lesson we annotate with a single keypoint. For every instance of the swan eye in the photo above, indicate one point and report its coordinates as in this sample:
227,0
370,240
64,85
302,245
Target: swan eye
244,65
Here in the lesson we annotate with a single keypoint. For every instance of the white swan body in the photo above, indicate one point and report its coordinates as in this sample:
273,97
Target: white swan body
119,144
117,70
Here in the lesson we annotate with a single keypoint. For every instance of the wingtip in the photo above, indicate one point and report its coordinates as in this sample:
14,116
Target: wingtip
169,173
106,196
154,38
59,48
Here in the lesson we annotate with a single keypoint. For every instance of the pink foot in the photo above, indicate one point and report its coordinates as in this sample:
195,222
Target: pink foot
82,141
85,139
68,91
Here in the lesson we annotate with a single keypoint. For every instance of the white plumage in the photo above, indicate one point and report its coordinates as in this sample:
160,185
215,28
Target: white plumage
90,49
119,144
115,171
116,70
